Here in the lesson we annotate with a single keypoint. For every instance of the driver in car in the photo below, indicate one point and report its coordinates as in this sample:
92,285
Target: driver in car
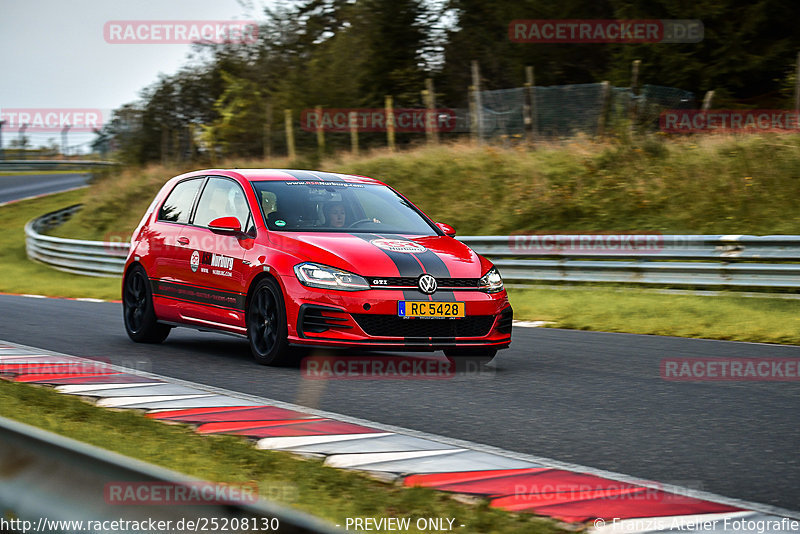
335,215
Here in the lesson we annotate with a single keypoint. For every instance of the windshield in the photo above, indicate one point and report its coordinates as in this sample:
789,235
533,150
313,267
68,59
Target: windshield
338,207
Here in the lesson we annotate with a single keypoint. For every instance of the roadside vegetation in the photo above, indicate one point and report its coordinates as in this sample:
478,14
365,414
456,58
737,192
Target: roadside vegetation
708,185
304,484
21,275
724,316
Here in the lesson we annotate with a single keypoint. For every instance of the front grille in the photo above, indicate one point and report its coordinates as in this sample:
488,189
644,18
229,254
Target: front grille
320,319
394,326
407,281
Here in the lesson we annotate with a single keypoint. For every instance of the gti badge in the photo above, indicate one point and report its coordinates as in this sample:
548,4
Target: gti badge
427,284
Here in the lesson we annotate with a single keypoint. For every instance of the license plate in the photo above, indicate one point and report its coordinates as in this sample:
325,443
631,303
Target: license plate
430,309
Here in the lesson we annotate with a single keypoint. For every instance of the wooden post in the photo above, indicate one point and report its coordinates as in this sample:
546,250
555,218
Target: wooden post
473,119
635,76
268,130
287,118
605,99
164,141
176,146
634,112
191,141
476,88
529,105
797,86
352,120
708,100
389,111
320,132
431,120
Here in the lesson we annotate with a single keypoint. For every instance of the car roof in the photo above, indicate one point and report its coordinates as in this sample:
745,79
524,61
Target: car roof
257,175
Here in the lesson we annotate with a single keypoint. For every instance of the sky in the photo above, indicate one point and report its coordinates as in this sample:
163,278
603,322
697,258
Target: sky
54,54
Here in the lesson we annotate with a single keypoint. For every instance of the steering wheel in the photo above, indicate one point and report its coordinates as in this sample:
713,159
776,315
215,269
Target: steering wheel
360,221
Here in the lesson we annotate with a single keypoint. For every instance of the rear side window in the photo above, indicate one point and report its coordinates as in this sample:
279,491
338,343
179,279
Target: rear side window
178,205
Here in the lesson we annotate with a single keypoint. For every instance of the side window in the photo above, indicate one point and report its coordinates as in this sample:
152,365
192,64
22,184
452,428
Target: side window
222,198
179,202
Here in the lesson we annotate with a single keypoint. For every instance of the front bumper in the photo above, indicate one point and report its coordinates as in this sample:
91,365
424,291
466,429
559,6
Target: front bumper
369,319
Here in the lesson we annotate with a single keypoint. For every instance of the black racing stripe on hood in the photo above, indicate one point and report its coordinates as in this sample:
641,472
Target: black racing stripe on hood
405,263
435,266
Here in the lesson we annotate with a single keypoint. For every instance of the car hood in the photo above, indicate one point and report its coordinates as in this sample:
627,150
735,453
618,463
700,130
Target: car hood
384,255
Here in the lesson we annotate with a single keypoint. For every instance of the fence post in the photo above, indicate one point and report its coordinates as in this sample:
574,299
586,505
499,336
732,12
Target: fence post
320,132
529,105
707,100
431,120
164,142
352,119
287,119
191,140
268,130
634,111
605,98
389,111
797,86
476,91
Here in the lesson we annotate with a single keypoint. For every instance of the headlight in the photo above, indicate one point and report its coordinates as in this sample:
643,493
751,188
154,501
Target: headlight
491,282
315,275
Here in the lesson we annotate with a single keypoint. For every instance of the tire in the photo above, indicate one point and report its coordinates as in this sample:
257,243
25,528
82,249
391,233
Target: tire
466,360
140,319
266,326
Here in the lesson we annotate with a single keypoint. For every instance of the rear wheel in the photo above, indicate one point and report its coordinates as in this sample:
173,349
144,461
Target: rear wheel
137,309
266,325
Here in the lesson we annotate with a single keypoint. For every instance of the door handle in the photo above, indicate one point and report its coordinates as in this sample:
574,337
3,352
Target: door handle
183,240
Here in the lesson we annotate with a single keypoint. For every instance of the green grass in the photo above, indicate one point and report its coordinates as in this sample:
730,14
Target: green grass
307,485
708,185
728,317
21,275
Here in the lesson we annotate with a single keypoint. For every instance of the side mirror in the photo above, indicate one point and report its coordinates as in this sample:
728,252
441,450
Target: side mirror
226,225
447,229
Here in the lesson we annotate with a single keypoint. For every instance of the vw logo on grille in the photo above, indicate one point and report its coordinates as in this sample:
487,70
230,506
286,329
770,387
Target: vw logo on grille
427,284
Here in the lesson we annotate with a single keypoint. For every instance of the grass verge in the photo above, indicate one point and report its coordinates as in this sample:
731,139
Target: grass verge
21,275
728,317
708,185
307,485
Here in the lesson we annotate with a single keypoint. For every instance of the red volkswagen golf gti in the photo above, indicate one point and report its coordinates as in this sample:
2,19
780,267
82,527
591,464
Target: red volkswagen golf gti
299,258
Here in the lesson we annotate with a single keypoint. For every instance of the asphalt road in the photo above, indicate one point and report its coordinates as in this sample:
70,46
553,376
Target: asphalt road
23,186
591,398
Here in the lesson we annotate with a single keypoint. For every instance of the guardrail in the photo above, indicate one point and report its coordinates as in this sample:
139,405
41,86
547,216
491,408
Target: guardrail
78,256
734,261
49,481
50,164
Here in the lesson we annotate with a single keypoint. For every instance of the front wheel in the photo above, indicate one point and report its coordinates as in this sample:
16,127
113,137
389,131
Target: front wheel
266,325
137,309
